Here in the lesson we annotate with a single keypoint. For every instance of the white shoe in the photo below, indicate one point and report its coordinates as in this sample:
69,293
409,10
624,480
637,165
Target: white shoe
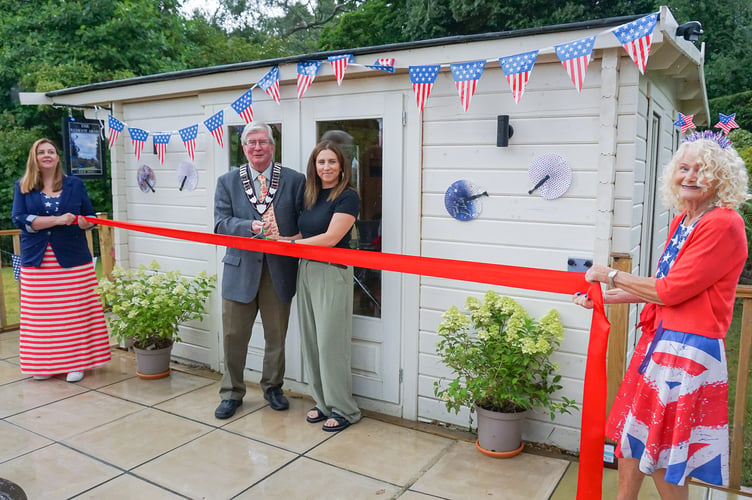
75,376
42,377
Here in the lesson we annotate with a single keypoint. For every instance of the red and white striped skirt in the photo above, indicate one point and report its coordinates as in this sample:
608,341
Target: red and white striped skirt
62,322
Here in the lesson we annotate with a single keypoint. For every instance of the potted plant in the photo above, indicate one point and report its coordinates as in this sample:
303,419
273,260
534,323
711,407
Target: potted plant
147,307
501,360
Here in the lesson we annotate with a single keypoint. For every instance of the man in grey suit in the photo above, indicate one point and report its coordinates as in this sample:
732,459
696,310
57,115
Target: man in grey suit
257,198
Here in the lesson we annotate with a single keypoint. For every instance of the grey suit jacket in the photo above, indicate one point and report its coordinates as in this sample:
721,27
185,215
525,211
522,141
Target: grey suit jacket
233,215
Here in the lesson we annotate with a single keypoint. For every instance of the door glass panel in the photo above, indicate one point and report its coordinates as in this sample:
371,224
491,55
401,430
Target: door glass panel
362,141
237,157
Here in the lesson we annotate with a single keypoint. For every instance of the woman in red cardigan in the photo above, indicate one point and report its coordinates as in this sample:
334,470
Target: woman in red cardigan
670,417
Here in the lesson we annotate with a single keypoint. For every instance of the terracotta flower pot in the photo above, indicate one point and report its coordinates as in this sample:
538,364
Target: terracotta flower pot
153,363
500,434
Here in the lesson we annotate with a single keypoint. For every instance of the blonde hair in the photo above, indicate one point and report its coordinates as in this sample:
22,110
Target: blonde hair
32,179
721,169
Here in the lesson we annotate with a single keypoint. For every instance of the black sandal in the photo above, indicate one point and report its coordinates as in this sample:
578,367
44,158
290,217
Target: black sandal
342,423
320,417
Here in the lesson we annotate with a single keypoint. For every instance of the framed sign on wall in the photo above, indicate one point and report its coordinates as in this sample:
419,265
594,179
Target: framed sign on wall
83,148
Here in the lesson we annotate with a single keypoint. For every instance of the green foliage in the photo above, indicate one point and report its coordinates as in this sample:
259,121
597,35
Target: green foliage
739,103
500,357
149,305
356,28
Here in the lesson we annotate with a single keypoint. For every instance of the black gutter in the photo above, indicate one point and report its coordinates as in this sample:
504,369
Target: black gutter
450,40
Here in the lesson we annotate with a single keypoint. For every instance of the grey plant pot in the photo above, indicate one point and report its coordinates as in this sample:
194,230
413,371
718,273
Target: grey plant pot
151,364
500,432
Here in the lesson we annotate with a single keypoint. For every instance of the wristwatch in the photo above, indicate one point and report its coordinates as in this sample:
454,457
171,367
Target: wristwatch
611,277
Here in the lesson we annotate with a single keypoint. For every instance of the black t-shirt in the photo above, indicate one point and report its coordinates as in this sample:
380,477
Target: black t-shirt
315,220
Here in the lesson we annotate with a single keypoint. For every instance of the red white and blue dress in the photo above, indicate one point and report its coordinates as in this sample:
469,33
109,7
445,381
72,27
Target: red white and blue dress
671,411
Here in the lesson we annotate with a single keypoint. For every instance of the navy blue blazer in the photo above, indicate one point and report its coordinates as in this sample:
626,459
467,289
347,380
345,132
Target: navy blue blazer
68,242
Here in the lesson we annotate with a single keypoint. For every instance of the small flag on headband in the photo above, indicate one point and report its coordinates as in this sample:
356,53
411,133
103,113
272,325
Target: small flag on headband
242,106
466,76
161,139
138,138
575,57
339,65
423,78
115,126
306,73
727,123
636,38
383,64
188,135
270,83
214,125
517,69
684,122
16,262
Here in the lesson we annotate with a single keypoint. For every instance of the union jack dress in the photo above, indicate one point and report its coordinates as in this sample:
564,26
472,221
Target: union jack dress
671,411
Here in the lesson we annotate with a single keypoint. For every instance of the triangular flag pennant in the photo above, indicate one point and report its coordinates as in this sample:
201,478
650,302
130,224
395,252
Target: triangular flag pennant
161,139
517,69
339,65
270,83
188,135
466,76
423,78
138,138
115,126
242,106
575,57
16,262
307,71
684,122
727,123
383,64
636,38
214,125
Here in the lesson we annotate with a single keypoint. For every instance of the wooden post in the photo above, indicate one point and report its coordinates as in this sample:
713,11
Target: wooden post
618,316
742,381
4,325
105,246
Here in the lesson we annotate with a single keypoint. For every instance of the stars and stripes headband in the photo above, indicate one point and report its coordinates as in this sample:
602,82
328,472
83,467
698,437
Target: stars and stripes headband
708,135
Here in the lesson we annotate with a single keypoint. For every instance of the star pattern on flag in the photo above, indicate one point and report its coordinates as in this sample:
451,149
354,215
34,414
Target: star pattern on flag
423,78
684,122
270,83
466,76
575,56
188,136
636,38
161,139
115,126
726,123
517,69
383,64
214,125
138,138
339,65
16,262
307,71
242,106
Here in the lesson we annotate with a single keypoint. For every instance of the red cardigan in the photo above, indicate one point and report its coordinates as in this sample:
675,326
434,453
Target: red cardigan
698,292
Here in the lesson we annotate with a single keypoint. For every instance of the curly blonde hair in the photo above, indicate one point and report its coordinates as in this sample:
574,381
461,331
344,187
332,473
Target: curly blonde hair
721,169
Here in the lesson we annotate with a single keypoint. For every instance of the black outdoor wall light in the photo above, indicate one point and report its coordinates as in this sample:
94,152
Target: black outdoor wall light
690,31
503,131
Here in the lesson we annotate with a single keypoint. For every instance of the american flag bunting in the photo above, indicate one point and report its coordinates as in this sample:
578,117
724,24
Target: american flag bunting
270,83
214,125
188,135
517,69
242,106
383,64
726,123
115,126
684,122
575,57
339,65
423,78
636,38
307,71
16,262
466,76
161,139
138,138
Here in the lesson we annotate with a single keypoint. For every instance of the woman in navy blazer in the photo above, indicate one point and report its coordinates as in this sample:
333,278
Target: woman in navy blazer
62,323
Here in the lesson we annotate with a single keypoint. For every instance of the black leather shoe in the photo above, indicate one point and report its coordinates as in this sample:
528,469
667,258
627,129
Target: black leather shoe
277,399
227,407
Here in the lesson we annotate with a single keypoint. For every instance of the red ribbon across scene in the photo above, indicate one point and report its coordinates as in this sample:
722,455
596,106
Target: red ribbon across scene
593,423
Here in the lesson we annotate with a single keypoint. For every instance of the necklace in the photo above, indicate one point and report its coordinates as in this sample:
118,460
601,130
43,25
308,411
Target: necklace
697,218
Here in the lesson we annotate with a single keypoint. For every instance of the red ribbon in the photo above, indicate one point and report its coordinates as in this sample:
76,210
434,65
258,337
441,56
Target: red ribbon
594,397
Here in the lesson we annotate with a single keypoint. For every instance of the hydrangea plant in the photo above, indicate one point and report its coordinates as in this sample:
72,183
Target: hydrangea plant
148,305
501,357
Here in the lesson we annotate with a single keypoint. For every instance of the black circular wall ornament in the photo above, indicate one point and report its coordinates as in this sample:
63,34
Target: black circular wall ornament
146,179
462,200
550,174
